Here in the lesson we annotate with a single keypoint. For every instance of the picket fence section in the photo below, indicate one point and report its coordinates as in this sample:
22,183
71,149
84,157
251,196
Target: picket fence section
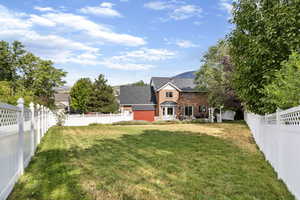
97,118
21,130
278,137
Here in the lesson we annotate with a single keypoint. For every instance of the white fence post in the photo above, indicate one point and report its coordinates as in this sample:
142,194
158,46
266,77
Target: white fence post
278,116
42,121
21,135
32,128
38,123
47,119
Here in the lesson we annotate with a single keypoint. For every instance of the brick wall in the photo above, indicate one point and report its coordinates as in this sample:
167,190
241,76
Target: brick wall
161,97
192,99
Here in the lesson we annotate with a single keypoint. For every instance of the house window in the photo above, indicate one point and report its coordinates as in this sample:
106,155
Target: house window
188,110
170,111
169,94
202,108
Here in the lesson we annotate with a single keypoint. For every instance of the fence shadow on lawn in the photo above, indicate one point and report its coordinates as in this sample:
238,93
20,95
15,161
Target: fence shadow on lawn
154,164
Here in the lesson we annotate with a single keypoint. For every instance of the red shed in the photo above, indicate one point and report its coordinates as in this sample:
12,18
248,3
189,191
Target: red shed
144,112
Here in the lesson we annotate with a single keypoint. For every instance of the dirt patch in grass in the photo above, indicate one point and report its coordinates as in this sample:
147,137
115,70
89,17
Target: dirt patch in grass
238,133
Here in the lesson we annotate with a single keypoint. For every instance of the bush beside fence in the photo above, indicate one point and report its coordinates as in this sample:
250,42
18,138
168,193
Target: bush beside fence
278,137
21,130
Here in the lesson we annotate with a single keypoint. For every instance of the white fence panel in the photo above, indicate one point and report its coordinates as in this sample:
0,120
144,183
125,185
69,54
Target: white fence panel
85,120
278,137
19,137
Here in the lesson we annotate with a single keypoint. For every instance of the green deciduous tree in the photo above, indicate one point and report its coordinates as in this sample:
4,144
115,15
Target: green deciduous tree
81,95
215,75
46,78
284,91
28,76
265,34
103,98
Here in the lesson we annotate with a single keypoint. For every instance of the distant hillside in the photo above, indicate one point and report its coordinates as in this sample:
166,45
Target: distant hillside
190,74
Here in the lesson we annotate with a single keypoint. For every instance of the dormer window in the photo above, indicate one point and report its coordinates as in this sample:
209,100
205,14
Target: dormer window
169,94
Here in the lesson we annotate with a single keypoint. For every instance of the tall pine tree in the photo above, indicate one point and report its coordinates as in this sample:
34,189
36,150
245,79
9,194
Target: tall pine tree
103,98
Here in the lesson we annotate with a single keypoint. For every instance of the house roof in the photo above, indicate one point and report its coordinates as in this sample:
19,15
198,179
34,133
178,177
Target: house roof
184,84
143,107
137,95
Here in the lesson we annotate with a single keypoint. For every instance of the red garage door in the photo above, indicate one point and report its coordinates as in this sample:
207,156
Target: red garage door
146,115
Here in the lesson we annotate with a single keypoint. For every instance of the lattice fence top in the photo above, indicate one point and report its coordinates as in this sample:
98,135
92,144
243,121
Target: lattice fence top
8,115
290,117
27,114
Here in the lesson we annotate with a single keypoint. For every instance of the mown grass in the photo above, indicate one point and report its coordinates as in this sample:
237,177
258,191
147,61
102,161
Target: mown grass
182,161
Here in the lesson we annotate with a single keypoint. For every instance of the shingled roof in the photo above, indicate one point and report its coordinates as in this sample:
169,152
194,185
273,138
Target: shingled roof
184,84
137,95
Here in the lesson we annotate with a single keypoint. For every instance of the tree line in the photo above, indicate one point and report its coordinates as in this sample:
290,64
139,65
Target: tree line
23,74
258,63
98,96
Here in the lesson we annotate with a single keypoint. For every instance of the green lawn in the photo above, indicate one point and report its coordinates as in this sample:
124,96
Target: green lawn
182,161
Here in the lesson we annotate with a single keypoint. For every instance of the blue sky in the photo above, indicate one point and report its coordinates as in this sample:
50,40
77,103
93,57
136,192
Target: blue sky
126,40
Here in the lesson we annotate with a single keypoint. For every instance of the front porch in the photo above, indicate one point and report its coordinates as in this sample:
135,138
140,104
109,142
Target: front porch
168,110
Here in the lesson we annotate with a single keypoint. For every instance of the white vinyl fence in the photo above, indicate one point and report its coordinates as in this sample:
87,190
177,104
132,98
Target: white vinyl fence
21,130
278,137
86,119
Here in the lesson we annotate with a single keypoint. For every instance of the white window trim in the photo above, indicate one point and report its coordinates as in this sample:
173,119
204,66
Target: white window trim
192,110
167,95
169,83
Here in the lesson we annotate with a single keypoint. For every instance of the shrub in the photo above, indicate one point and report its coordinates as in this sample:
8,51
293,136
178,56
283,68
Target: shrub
61,118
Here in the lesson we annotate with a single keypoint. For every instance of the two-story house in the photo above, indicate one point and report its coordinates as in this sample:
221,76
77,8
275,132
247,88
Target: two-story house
164,99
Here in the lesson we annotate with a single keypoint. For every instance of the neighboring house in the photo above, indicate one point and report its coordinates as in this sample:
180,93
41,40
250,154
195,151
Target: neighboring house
62,98
165,99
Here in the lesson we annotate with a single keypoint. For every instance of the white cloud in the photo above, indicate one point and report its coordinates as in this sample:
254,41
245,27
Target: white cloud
197,23
226,5
44,9
105,9
16,26
185,12
186,44
11,20
60,49
177,10
158,5
126,66
35,19
180,43
146,54
92,29
135,60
